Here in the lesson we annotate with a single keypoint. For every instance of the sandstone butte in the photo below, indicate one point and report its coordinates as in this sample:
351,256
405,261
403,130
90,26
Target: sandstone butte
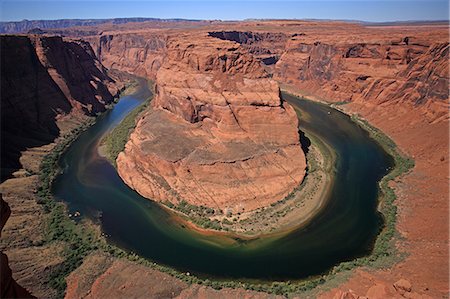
217,133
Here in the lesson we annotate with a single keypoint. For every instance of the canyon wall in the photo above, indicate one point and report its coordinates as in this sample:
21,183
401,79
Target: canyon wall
344,62
217,133
335,61
405,71
9,288
138,53
42,80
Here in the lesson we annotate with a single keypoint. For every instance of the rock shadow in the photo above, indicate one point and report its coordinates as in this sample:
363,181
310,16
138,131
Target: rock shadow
304,141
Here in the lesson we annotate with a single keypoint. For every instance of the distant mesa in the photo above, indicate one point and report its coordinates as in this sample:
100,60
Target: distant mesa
26,25
36,31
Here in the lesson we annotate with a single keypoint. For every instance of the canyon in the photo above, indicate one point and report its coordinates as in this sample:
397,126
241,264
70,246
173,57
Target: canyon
218,133
396,77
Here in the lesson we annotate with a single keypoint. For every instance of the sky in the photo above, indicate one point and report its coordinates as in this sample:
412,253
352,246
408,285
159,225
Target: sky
362,10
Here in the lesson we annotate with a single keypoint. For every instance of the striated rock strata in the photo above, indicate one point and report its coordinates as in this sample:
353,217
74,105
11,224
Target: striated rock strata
139,53
404,71
9,288
42,79
217,134
399,66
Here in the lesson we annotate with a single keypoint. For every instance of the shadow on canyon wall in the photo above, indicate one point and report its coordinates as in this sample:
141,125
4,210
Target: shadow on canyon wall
43,78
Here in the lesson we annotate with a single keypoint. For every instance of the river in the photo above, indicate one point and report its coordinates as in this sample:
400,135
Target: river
345,228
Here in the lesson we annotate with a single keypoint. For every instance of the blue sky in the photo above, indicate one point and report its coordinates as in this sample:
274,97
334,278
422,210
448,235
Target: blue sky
364,10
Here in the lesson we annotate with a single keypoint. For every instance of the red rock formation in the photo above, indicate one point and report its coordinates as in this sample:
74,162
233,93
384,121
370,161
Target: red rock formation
138,53
218,133
409,70
9,288
397,78
400,289
101,276
43,78
349,62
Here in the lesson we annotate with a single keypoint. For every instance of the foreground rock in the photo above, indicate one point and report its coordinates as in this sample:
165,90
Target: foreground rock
102,276
9,288
400,289
217,134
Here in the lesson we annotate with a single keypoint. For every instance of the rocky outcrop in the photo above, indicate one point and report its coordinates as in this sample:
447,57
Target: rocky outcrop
43,79
9,288
102,276
138,53
400,289
218,133
407,72
141,52
265,46
324,60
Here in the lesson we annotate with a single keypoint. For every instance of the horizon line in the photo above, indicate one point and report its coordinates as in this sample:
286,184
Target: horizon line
230,20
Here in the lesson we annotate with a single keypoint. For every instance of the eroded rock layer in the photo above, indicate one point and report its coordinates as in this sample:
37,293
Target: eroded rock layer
9,288
217,133
45,78
399,66
139,53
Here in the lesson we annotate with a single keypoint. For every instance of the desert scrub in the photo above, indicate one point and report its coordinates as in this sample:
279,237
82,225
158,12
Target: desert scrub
77,240
384,251
115,140
198,215
340,103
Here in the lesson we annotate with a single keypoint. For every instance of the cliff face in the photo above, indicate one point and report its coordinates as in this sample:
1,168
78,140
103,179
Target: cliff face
139,53
9,288
261,44
43,79
217,134
402,71
351,63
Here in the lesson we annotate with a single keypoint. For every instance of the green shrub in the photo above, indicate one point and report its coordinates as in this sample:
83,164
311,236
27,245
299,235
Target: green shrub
115,140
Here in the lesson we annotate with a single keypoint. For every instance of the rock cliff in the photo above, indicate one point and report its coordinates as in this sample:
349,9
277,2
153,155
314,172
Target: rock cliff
397,72
217,134
43,79
9,288
138,53
351,63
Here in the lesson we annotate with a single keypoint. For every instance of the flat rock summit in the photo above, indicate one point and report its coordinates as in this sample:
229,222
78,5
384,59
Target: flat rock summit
217,133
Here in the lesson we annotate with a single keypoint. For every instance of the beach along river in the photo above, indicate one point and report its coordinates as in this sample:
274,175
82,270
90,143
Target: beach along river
345,227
